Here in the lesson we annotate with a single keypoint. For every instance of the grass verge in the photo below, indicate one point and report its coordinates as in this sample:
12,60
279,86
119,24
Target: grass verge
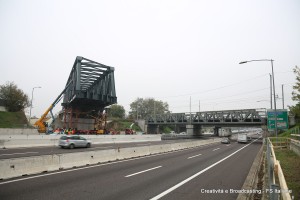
290,164
12,119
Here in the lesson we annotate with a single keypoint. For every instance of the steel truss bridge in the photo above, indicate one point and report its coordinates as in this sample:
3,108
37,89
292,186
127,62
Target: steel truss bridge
89,89
226,118
92,86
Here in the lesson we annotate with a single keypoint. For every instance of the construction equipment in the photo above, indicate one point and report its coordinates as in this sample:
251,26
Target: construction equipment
129,131
41,123
100,123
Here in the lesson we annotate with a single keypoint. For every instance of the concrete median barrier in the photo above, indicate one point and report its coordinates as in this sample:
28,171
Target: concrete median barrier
17,141
18,131
160,148
10,168
15,167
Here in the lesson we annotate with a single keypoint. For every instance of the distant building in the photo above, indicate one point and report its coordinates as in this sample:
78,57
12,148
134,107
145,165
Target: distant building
2,105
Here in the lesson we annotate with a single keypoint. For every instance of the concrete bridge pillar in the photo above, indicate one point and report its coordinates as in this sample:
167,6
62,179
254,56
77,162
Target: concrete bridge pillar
193,129
190,129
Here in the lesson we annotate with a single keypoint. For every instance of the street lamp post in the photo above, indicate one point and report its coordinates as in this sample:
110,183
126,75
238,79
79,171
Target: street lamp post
31,102
269,60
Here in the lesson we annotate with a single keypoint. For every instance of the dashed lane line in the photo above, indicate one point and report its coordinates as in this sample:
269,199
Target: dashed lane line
143,171
194,156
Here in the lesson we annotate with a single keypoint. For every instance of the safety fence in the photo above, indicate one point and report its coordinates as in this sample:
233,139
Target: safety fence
277,187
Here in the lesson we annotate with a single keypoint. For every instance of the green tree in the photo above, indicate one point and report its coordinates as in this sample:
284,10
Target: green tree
117,111
15,99
141,108
296,94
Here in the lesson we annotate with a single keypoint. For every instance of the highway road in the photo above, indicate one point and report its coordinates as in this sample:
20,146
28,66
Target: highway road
197,173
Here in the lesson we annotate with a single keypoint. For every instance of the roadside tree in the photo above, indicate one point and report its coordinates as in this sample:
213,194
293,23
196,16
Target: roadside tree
117,111
296,94
141,108
14,98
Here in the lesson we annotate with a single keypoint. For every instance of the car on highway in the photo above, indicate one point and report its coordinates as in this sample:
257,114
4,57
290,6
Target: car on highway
72,141
225,140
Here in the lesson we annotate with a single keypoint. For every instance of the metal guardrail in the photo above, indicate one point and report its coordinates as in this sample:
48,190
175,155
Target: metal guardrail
275,172
295,130
177,136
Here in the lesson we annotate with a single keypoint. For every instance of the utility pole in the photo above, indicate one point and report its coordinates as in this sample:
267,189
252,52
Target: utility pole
271,90
190,110
199,105
282,96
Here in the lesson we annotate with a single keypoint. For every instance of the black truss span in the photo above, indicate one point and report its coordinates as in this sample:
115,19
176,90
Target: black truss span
92,86
249,117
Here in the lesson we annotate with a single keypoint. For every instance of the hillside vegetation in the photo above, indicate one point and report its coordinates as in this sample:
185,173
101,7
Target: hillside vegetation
12,119
121,124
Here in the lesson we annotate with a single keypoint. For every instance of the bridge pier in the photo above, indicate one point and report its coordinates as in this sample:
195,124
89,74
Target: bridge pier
193,129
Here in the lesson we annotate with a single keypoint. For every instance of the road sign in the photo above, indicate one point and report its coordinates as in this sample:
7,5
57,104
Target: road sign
282,119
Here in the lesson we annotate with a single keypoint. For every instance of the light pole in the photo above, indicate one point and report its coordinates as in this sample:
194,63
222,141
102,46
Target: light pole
269,60
31,102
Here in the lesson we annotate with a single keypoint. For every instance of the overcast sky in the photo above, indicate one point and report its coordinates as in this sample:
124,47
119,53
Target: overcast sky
169,50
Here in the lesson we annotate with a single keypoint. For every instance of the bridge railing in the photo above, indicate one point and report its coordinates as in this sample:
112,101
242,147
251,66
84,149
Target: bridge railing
275,173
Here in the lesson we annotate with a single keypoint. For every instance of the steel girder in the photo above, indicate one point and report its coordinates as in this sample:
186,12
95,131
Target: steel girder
92,86
245,117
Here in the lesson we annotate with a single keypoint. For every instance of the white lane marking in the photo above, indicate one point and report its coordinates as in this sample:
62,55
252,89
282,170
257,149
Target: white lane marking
143,144
143,171
216,149
197,174
227,145
99,165
9,154
194,156
102,147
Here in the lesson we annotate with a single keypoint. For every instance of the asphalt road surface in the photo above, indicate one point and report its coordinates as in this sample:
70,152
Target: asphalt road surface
186,174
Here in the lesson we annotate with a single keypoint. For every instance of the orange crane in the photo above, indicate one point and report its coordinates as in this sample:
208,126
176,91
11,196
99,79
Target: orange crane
41,123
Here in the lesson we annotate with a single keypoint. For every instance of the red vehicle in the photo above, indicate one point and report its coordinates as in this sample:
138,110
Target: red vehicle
129,131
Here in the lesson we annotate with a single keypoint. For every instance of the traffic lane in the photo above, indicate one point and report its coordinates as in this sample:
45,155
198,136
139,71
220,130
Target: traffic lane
109,182
106,177
109,173
224,181
37,151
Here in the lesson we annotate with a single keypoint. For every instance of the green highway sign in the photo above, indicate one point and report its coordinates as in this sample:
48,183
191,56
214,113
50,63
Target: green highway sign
282,119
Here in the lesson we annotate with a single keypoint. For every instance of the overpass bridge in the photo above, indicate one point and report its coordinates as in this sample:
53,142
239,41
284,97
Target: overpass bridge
193,122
